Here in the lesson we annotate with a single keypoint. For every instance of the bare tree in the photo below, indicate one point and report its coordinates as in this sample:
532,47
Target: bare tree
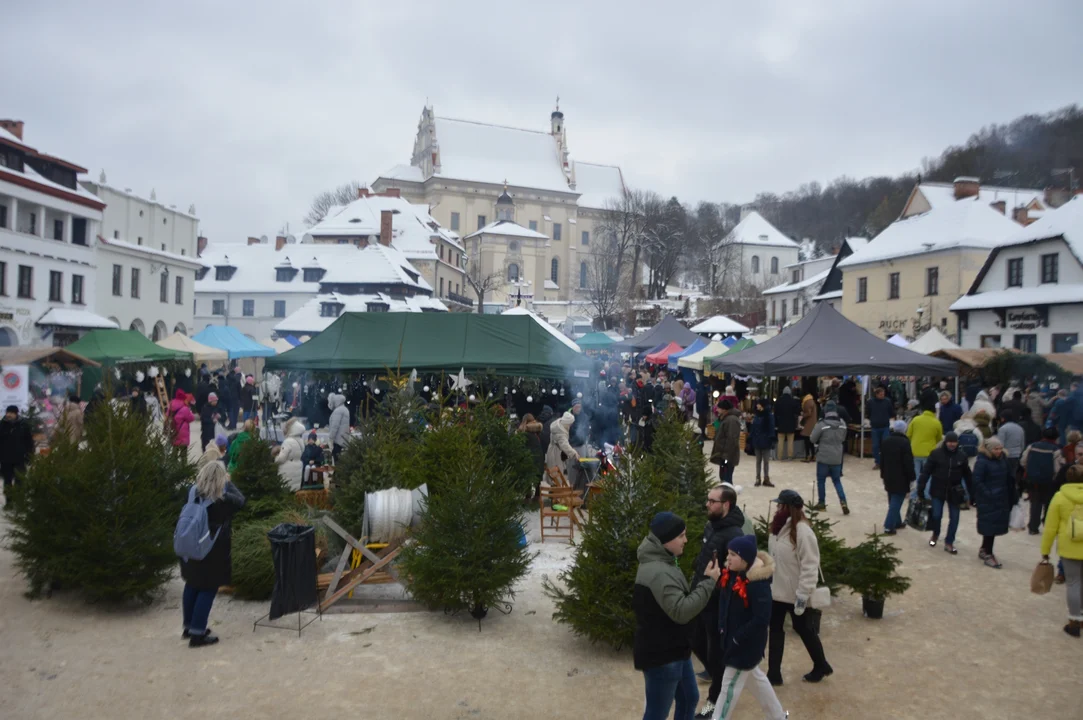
622,220
342,195
606,287
480,281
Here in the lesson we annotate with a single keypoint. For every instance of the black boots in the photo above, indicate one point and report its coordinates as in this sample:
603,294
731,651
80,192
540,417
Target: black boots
819,674
200,640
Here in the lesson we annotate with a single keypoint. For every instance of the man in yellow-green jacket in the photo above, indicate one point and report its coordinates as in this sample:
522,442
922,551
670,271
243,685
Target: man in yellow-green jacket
1064,521
925,433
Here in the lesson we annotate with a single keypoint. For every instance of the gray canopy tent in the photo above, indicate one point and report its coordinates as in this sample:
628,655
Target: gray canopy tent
826,343
665,332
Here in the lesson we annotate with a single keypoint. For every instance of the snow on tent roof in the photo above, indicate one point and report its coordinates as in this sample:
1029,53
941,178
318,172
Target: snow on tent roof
72,318
436,343
661,357
667,331
964,224
675,358
233,341
802,350
755,230
492,153
719,324
598,185
548,328
931,341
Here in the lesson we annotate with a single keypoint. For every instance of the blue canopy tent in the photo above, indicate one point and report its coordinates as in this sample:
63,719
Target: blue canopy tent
729,341
233,342
292,340
694,347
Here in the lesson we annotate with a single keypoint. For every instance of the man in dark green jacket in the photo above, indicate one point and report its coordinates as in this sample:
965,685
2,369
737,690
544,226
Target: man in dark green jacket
664,605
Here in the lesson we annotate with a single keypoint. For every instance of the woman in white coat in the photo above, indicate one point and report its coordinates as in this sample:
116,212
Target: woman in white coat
560,445
793,546
289,454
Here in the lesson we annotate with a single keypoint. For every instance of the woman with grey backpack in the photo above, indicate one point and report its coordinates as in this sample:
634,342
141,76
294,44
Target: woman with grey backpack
793,546
203,577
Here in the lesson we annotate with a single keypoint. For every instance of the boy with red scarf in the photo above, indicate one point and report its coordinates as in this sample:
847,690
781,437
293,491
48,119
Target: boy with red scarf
744,616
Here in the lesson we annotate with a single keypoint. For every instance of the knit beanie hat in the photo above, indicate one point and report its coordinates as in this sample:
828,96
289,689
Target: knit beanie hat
666,526
212,397
786,390
221,441
951,437
831,407
745,546
899,426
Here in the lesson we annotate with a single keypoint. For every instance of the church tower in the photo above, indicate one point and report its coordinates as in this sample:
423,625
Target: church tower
557,130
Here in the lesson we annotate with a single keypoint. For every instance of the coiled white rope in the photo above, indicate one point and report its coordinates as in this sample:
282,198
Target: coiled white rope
388,514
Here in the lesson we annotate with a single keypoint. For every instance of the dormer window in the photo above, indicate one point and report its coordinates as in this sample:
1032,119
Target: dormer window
224,273
284,274
202,273
331,309
378,307
314,274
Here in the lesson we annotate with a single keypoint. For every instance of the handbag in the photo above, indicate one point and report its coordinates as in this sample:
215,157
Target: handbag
821,596
1041,582
956,495
917,514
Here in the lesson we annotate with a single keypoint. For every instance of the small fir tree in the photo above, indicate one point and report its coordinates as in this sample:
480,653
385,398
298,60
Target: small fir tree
466,554
253,564
594,596
99,518
872,569
506,447
256,476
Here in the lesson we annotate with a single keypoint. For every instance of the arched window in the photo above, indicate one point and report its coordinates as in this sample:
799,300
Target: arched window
755,264
513,273
774,266
554,271
582,274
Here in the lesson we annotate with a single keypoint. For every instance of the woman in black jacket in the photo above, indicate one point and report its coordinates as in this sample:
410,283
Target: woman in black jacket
209,416
787,408
945,471
897,472
202,578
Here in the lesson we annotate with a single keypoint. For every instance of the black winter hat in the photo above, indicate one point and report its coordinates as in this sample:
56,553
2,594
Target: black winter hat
790,497
666,526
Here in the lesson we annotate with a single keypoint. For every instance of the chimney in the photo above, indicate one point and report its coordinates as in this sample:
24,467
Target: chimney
967,187
253,240
362,192
392,192
1020,216
201,245
1000,206
385,227
280,242
15,127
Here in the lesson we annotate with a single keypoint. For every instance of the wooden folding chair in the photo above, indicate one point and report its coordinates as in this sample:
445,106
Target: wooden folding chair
548,499
573,497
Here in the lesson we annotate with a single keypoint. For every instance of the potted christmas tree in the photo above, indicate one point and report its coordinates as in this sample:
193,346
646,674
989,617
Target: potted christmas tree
871,572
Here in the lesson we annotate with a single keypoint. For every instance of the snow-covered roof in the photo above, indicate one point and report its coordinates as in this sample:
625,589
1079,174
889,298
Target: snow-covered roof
833,295
91,184
507,227
152,252
719,324
308,317
856,243
755,230
79,193
493,154
409,173
549,328
598,185
8,136
943,194
550,285
1066,221
74,318
373,265
1021,297
962,224
801,285
412,228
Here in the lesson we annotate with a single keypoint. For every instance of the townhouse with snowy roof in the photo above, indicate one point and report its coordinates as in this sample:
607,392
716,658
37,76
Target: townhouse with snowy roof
460,168
47,262
756,253
147,257
1028,295
790,301
433,251
905,280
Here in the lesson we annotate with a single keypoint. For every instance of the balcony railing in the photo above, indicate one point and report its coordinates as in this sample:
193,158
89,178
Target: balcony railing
461,299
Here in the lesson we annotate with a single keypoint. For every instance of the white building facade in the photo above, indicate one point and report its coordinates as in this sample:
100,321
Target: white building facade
1029,293
48,269
755,253
147,256
790,301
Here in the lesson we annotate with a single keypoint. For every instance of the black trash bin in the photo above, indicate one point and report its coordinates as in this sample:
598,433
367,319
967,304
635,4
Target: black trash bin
293,548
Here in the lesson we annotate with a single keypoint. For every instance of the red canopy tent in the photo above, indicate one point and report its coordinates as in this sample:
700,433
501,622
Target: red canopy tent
662,356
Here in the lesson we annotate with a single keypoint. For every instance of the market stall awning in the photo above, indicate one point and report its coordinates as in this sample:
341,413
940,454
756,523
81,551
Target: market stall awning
695,347
294,342
233,341
74,318
200,353
595,341
665,332
45,356
116,347
826,343
932,341
971,358
898,340
548,328
720,324
695,360
661,357
436,342
1071,362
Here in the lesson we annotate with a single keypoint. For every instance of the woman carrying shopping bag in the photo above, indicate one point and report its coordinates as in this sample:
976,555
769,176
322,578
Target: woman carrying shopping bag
792,545
1064,523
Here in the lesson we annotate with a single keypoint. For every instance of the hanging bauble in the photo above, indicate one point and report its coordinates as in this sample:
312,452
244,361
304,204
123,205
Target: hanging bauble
165,372
472,398
513,391
376,391
425,389
579,395
490,394
562,391
554,391
296,385
139,376
153,371
187,372
530,398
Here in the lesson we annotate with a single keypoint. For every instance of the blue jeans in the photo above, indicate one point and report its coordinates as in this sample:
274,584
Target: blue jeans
878,435
894,520
666,684
196,606
835,471
725,473
938,514
919,465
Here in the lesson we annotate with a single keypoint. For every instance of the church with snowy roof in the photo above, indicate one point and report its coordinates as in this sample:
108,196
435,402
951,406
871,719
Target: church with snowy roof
524,209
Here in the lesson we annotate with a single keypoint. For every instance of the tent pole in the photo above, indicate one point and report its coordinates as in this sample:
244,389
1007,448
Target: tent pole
957,389
861,433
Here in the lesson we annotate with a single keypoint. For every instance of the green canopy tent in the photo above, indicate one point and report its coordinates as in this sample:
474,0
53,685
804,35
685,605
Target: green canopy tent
737,347
595,341
119,347
436,342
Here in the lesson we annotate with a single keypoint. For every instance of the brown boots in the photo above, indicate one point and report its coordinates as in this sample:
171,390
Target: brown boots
1073,628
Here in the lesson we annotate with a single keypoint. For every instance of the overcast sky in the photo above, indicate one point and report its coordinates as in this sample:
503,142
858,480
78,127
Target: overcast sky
248,108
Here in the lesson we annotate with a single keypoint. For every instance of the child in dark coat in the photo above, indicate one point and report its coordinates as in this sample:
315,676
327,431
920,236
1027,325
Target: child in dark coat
312,456
744,616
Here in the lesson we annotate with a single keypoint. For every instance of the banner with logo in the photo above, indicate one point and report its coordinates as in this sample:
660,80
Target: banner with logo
15,387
